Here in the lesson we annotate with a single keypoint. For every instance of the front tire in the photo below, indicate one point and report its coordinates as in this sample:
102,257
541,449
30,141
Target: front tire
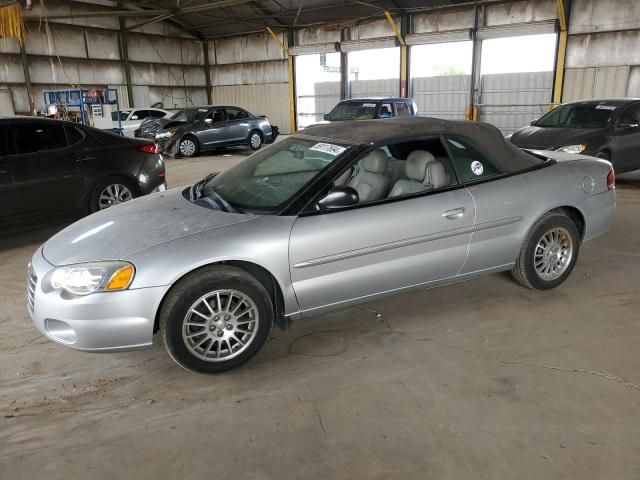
255,140
215,319
548,253
188,147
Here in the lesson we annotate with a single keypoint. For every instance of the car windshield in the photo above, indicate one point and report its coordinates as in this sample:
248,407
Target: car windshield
353,111
189,115
577,116
123,114
269,179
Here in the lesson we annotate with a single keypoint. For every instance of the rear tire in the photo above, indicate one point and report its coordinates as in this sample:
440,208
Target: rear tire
188,146
226,333
255,140
111,191
549,252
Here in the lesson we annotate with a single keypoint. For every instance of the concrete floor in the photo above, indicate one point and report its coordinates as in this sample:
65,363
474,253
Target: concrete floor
482,380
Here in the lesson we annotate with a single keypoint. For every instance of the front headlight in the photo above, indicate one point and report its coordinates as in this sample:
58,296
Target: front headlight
168,134
86,278
579,148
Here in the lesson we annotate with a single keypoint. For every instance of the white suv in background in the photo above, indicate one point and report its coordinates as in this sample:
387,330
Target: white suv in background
131,118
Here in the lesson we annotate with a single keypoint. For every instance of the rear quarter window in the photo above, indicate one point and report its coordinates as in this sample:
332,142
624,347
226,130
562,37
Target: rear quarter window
470,162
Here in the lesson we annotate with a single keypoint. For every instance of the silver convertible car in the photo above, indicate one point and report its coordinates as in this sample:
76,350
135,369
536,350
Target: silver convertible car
339,215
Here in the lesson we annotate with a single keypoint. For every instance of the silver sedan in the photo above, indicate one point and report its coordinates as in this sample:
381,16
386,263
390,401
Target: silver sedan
333,217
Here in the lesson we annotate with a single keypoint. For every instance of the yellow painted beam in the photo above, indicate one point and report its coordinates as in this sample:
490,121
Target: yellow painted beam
394,27
561,14
403,72
562,53
292,98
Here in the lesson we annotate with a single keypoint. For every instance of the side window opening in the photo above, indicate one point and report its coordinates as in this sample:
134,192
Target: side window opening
400,169
471,163
6,146
38,137
73,135
631,116
402,109
386,111
216,115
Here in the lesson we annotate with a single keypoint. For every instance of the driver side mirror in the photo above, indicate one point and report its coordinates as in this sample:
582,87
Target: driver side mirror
533,121
338,197
134,117
208,120
326,116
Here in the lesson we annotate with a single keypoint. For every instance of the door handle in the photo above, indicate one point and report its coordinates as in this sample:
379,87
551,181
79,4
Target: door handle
4,172
85,159
454,214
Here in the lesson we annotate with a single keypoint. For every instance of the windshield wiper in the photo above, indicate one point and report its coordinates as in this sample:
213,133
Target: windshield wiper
195,191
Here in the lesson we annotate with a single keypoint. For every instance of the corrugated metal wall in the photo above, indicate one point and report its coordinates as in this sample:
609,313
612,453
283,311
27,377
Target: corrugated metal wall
389,87
601,82
603,50
252,72
259,100
86,52
326,96
511,100
444,96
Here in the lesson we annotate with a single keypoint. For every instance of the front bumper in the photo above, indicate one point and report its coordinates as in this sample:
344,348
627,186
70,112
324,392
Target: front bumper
100,322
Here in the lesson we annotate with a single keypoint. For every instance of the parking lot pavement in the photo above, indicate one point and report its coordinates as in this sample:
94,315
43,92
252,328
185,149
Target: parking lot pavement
482,380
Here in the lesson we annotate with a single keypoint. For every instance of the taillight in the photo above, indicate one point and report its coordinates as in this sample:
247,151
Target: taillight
611,180
148,148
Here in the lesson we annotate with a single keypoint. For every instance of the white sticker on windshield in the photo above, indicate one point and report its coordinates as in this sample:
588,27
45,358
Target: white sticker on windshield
329,148
606,107
477,168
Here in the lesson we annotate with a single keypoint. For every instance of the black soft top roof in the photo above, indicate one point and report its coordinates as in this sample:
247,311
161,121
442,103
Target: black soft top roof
386,131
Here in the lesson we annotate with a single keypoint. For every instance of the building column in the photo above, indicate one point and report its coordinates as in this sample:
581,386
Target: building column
207,70
124,58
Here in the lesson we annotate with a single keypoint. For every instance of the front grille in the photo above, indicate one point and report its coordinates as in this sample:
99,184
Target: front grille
32,280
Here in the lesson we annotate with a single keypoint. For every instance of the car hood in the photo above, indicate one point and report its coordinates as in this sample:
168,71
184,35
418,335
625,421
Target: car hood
546,138
123,230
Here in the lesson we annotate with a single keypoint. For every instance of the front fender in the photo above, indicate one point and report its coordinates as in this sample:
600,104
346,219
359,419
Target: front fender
263,242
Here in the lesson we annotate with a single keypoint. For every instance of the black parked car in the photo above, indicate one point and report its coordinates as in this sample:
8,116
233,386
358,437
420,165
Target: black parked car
608,129
54,169
195,130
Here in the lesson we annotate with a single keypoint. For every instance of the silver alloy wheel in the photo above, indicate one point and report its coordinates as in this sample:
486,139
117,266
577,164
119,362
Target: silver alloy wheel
113,195
553,254
220,325
187,147
255,140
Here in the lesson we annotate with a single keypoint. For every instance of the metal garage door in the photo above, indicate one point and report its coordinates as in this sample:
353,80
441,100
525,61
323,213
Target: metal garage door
511,100
442,97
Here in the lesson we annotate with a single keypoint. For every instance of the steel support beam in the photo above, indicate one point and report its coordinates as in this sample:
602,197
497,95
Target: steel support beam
403,54
564,9
405,58
292,98
27,77
124,57
344,67
293,110
474,89
207,70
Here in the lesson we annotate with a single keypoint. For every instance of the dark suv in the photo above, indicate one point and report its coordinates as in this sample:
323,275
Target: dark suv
370,108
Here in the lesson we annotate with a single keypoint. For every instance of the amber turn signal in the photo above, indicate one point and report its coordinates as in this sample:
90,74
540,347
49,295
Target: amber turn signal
121,279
